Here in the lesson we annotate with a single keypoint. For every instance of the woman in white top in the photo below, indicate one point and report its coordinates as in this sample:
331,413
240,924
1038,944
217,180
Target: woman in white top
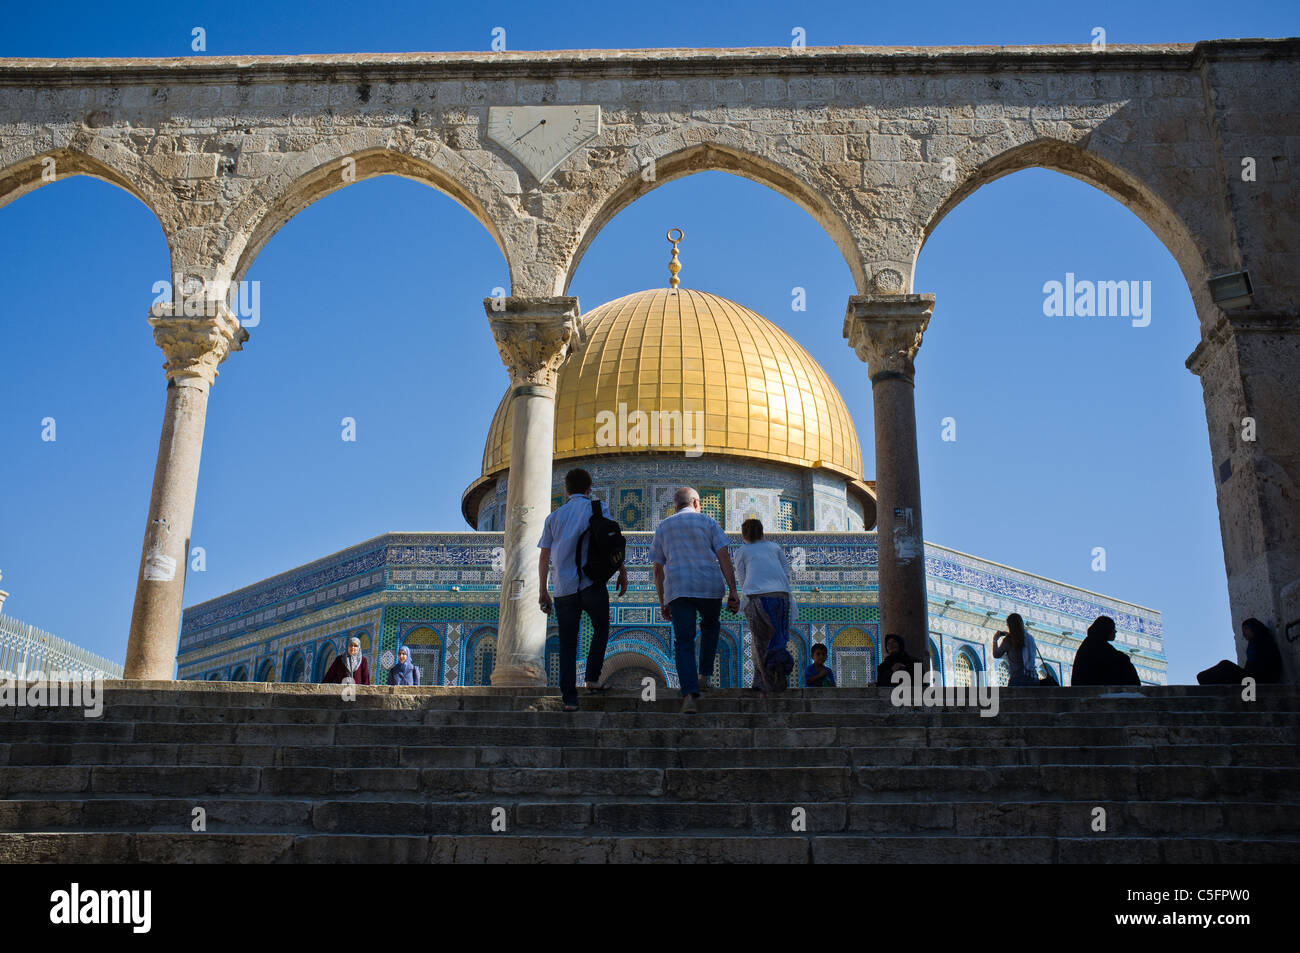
1020,650
763,575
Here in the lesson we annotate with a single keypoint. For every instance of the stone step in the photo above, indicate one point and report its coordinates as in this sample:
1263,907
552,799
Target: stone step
709,716
274,694
293,773
469,756
686,734
115,847
394,705
799,784
1064,818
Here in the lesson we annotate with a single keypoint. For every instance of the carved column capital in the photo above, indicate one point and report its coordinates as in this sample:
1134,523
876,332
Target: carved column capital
885,330
534,336
196,337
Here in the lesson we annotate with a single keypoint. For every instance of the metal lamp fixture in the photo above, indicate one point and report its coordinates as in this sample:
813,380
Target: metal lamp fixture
1232,290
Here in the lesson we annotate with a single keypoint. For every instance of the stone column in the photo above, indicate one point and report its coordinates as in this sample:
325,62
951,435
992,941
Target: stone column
885,330
1249,364
194,341
534,336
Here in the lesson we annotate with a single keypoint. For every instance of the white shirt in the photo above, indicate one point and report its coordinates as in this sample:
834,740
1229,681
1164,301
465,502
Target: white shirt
1029,656
560,535
762,567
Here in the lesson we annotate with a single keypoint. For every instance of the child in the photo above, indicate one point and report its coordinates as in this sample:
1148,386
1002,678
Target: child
817,675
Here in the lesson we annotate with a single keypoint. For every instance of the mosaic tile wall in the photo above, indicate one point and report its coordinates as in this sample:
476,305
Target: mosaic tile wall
394,585
639,493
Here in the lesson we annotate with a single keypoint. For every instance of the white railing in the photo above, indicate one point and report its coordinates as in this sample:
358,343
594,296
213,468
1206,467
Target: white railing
25,648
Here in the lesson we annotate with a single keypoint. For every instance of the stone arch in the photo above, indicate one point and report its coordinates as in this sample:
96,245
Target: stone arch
642,643
853,656
936,658
967,671
480,655
1003,673
424,648
679,153
799,649
116,165
319,172
295,667
630,661
727,665
113,164
1102,174
325,657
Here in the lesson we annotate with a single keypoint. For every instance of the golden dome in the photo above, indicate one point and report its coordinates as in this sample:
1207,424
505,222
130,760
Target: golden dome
762,395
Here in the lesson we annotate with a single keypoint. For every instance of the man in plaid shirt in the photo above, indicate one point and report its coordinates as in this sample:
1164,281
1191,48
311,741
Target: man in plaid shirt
688,550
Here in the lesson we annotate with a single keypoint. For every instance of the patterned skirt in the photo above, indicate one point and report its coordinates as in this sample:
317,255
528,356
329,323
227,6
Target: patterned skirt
768,614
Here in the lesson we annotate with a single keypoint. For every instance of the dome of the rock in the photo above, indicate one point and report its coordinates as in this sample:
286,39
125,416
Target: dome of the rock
763,396
706,375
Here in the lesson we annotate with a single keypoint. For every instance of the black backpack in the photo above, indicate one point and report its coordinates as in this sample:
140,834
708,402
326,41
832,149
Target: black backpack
605,547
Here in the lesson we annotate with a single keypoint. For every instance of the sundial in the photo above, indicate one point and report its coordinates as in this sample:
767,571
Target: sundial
542,137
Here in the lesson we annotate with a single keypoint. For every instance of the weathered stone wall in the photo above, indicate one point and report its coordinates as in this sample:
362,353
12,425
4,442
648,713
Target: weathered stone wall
225,150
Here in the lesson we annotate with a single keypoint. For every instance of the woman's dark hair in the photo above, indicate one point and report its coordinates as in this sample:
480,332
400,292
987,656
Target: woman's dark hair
1257,628
1016,630
898,639
751,531
577,481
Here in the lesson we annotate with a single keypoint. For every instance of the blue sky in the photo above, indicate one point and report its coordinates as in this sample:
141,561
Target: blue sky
1071,433
163,28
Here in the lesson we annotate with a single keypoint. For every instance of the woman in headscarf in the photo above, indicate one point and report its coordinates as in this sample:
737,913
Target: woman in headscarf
1021,652
763,574
350,669
1097,662
1263,660
896,659
405,672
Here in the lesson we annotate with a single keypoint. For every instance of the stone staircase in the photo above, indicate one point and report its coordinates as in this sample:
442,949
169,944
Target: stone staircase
293,773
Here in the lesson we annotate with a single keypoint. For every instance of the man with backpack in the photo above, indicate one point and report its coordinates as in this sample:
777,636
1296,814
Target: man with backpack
588,549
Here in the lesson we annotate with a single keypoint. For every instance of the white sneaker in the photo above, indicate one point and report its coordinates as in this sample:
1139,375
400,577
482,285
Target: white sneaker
688,705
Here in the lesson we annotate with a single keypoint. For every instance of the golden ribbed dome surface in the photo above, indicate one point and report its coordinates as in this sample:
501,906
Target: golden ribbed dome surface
762,395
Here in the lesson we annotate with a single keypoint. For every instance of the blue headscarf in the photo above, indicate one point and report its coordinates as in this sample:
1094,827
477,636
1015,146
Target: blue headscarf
406,668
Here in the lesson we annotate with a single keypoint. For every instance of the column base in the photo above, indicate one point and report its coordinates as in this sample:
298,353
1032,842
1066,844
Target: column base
519,675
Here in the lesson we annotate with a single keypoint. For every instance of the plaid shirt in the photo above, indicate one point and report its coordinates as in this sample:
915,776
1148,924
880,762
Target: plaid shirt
686,545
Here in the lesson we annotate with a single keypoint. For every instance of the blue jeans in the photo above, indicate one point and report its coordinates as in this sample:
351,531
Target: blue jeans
594,600
684,610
